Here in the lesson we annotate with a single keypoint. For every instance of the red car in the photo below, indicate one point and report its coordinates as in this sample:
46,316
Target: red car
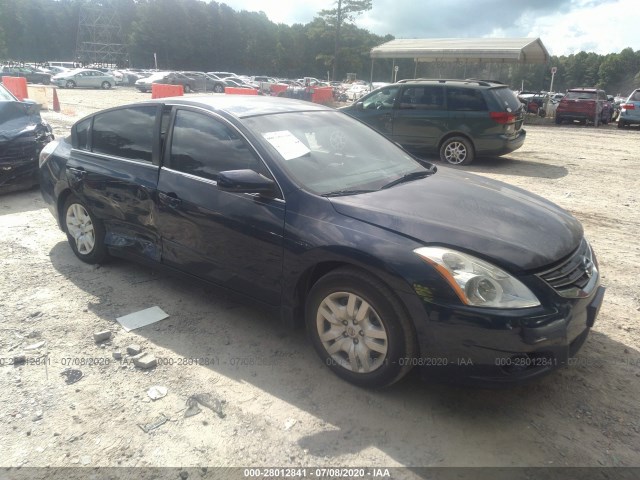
584,105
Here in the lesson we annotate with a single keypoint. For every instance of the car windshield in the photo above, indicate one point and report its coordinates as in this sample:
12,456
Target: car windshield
329,153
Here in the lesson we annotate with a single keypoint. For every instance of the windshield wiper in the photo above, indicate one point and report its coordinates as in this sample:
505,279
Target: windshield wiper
409,177
340,193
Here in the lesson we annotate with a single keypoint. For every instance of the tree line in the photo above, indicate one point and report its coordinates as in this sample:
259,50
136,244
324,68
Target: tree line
199,35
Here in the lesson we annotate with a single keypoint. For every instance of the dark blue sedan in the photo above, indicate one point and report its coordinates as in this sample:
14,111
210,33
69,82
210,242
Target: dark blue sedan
389,263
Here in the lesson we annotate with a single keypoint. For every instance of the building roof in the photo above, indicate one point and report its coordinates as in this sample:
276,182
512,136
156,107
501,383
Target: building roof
494,50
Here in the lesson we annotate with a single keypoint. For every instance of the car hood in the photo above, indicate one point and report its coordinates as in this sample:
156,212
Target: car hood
18,119
510,226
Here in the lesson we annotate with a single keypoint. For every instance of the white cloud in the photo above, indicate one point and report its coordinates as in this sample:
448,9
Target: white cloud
604,28
601,26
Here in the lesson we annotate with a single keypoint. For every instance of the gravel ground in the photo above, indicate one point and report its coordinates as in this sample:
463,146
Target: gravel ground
264,397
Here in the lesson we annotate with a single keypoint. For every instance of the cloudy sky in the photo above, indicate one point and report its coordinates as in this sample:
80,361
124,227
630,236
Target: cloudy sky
565,26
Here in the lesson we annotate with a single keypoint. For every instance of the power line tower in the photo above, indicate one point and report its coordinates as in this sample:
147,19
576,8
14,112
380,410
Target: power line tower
99,36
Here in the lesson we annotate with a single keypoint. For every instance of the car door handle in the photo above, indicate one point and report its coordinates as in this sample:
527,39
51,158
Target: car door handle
78,171
170,198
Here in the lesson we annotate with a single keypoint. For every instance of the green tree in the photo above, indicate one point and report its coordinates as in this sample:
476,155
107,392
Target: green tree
344,12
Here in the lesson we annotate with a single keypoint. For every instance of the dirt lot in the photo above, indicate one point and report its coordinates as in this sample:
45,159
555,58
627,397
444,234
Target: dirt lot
265,397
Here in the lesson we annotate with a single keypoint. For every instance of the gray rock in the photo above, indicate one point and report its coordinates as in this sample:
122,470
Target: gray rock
117,355
145,361
134,349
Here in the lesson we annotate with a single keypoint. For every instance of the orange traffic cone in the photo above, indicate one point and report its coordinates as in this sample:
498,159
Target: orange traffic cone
56,103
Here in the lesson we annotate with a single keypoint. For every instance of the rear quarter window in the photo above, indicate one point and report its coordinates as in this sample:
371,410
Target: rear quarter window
506,98
80,135
465,99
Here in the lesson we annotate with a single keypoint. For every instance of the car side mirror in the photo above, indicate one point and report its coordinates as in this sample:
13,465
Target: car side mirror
246,181
359,106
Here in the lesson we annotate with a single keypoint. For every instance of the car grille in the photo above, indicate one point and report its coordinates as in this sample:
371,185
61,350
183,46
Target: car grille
19,150
574,277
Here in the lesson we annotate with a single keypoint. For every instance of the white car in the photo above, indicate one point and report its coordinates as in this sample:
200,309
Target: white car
84,77
357,90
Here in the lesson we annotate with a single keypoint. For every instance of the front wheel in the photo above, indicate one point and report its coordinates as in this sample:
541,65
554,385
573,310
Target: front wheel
359,329
84,232
457,151
558,120
187,88
106,85
70,84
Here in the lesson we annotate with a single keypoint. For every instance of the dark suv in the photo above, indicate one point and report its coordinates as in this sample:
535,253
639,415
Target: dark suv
584,105
460,119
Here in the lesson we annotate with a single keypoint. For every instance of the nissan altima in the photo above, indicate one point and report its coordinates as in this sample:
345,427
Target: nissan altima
388,262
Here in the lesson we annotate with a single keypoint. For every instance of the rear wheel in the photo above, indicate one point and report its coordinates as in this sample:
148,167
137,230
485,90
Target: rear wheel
620,124
359,328
457,151
187,88
558,120
217,88
84,232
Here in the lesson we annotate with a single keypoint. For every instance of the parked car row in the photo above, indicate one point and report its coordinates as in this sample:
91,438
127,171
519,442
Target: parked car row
32,74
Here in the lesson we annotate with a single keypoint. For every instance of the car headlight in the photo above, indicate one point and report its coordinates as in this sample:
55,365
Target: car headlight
476,282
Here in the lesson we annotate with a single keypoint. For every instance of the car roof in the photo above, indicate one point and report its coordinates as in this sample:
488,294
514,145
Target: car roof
243,106
452,81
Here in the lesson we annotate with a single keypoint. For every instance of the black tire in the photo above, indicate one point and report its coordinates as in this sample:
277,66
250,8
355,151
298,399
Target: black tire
620,124
385,346
218,88
46,81
70,84
106,85
457,151
84,232
558,120
542,112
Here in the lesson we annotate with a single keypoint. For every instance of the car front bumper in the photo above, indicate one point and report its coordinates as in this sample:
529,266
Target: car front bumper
19,163
471,346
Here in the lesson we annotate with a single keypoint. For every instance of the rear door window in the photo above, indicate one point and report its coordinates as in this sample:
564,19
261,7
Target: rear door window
422,98
126,133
